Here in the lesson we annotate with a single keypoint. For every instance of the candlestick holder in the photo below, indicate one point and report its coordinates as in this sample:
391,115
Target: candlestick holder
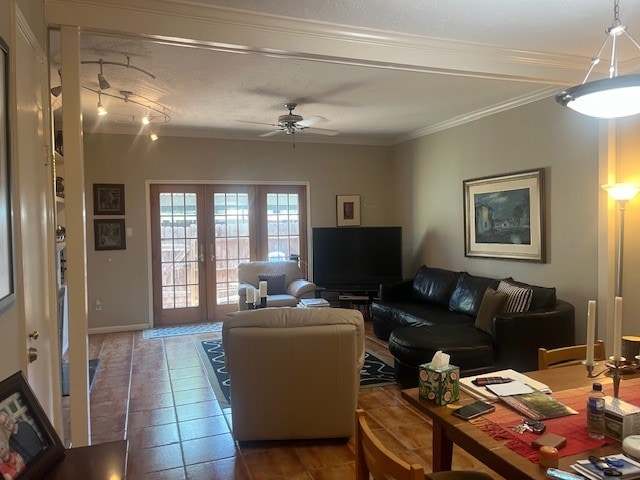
263,302
615,367
251,306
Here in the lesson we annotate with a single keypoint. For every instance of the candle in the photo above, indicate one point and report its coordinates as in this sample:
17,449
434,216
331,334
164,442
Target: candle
617,329
548,457
591,331
263,288
249,295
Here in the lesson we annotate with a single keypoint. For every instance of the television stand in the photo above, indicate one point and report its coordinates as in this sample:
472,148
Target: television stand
358,299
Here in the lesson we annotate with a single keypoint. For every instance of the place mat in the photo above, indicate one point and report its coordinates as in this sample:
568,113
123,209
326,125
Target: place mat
499,424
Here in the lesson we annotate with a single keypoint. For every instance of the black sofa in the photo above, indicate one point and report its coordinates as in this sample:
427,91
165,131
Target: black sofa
437,311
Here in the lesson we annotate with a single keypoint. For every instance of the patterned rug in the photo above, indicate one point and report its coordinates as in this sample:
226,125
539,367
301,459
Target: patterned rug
374,373
182,330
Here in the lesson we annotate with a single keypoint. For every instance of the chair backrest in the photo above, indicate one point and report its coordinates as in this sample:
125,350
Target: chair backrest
248,271
372,457
564,356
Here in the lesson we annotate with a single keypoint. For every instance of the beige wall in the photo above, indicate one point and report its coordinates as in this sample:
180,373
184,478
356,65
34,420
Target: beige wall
430,172
119,278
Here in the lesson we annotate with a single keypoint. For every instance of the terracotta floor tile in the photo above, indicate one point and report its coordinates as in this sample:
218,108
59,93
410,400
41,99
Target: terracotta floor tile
104,425
228,469
101,395
154,459
151,389
203,427
413,436
184,397
198,410
370,398
273,463
151,402
185,363
206,449
154,436
186,372
141,379
324,455
108,409
108,382
147,418
106,437
190,383
338,472
172,474
395,416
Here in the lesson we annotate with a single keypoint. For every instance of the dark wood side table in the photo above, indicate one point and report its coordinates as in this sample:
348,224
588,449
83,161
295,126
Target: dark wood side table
105,461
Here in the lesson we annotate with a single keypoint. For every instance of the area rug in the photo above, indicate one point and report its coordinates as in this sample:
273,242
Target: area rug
374,373
182,330
64,373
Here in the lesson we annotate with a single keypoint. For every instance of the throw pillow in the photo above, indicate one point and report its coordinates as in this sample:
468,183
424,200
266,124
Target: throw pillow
519,297
275,283
492,303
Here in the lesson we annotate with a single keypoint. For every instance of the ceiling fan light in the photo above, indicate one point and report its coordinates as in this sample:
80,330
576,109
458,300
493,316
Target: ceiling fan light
615,97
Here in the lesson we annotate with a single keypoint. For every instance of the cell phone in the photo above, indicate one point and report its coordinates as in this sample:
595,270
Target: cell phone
473,410
562,475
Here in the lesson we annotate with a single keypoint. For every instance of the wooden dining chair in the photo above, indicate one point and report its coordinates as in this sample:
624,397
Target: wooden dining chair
372,457
565,356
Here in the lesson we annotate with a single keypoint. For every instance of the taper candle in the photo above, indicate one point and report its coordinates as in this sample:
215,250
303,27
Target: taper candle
591,331
617,329
263,289
250,295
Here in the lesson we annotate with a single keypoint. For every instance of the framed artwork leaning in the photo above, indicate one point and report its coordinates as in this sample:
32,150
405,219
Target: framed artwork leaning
29,445
504,216
109,234
108,199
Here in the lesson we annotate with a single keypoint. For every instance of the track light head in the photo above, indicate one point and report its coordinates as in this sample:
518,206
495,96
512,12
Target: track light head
104,85
56,91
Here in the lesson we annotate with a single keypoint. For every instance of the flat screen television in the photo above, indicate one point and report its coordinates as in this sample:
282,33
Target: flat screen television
356,258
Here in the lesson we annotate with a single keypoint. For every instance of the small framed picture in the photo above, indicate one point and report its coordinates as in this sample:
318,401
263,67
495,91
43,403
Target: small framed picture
348,210
109,234
108,199
29,445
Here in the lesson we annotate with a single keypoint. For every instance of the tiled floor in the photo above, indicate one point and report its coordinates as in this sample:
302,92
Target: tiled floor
156,393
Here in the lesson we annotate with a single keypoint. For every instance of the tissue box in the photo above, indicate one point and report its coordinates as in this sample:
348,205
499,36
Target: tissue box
441,386
621,419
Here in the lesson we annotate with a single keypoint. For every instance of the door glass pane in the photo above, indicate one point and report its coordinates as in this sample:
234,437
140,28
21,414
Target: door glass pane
231,232
283,225
179,257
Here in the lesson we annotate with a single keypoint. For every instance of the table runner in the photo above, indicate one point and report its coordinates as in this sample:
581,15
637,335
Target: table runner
499,424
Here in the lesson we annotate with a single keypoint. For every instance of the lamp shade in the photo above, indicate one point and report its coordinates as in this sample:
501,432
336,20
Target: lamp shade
621,191
608,98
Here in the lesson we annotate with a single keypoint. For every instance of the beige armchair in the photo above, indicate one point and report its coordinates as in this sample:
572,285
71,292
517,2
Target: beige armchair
295,372
295,286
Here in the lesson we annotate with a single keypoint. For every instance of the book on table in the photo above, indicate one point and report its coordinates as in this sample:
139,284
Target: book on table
629,469
538,405
313,302
483,392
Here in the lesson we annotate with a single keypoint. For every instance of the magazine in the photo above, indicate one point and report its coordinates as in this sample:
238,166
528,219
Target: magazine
538,405
482,393
629,468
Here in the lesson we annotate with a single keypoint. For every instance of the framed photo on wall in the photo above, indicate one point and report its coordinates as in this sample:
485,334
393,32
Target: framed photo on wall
29,445
7,289
348,210
109,234
108,199
504,216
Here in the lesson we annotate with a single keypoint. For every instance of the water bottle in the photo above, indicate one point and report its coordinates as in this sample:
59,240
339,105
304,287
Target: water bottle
595,412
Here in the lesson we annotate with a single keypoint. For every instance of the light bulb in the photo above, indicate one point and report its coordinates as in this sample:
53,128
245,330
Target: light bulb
154,137
145,120
101,110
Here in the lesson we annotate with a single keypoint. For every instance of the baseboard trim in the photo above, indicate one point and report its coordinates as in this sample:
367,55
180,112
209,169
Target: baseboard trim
119,328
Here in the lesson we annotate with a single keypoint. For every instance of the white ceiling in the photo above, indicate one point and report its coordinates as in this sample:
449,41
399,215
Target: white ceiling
236,92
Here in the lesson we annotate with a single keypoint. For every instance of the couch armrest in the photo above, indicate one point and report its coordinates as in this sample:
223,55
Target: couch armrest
517,336
301,288
396,291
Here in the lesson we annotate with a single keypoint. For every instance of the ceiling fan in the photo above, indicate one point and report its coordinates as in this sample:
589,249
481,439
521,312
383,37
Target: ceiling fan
292,123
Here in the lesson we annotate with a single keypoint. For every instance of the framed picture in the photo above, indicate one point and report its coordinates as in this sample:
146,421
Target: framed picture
348,210
7,290
108,199
29,445
109,234
504,216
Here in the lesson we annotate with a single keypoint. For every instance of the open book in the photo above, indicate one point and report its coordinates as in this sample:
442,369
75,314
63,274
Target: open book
483,393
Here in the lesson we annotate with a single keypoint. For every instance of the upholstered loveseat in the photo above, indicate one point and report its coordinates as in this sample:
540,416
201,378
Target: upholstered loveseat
286,284
446,310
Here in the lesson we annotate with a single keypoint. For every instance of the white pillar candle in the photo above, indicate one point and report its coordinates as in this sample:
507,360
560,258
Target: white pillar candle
591,331
263,288
250,295
617,329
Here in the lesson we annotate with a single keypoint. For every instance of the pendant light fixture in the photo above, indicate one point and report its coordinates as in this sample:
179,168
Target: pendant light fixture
612,97
101,110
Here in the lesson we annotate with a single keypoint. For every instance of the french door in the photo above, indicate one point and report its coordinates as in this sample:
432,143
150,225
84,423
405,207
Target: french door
200,233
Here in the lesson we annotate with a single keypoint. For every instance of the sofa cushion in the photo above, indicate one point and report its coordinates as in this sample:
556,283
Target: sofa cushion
519,297
467,296
435,285
275,283
543,297
492,303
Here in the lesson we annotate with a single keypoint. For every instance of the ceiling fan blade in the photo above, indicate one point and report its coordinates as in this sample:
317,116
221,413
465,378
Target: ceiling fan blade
311,121
269,134
321,131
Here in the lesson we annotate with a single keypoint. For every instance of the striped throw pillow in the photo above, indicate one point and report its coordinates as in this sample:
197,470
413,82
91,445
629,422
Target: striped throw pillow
519,297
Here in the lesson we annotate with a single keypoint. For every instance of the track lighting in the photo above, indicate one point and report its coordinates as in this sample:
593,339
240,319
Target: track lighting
56,91
101,110
103,82
145,120
613,97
